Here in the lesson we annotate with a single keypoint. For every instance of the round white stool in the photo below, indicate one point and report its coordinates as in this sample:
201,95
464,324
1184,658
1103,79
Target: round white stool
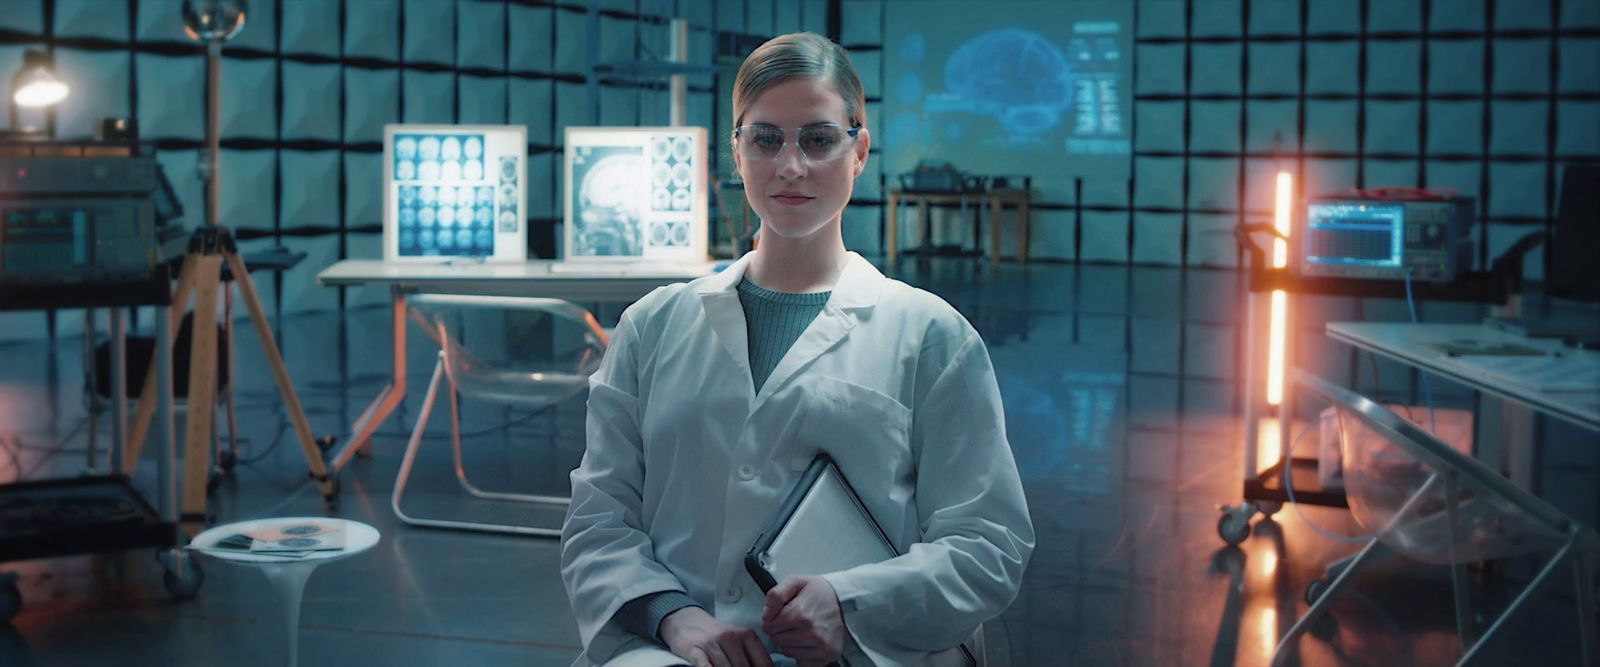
288,576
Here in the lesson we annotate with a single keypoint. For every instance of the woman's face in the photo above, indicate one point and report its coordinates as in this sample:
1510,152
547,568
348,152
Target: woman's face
796,198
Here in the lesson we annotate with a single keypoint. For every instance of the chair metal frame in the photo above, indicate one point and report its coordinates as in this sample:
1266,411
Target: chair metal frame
442,370
1452,468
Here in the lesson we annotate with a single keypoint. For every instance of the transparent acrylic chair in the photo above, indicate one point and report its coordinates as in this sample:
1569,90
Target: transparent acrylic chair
1426,501
522,351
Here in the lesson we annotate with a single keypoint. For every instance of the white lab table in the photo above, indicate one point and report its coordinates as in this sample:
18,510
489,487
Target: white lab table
1506,432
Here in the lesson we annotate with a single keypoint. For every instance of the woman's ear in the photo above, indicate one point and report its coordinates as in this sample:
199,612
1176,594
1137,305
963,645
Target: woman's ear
862,148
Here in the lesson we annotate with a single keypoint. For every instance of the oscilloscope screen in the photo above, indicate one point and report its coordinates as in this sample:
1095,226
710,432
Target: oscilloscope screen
1355,234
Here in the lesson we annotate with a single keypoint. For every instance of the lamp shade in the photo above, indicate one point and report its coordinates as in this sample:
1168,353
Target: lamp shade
35,85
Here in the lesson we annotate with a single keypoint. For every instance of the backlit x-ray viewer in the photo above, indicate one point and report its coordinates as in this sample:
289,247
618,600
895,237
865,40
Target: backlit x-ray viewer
454,191
635,193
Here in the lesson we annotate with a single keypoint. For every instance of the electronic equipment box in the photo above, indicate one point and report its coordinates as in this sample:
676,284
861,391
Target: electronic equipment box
1428,240
80,216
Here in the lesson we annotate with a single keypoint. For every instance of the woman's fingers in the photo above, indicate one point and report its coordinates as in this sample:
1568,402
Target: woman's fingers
754,651
717,657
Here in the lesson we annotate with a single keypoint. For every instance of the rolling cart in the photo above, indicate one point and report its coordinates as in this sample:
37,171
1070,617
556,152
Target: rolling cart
81,515
1270,426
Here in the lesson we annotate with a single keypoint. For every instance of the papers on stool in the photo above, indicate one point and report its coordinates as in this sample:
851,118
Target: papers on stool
823,527
289,541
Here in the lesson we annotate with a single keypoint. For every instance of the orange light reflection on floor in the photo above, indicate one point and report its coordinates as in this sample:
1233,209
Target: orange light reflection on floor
1269,443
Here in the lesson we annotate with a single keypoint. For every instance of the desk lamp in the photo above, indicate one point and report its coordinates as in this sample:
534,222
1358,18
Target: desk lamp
35,86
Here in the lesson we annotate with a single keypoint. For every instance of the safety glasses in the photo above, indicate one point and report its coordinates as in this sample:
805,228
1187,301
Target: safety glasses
818,143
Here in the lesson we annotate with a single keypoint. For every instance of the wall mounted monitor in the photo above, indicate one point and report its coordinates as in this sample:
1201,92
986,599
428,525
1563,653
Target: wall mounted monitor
635,193
453,191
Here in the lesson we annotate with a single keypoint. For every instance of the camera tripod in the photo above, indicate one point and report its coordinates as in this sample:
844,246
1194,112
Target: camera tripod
209,248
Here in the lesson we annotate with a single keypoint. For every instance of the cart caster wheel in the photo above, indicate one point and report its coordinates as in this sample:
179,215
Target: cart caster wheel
1314,590
1233,527
226,461
1269,507
10,598
183,576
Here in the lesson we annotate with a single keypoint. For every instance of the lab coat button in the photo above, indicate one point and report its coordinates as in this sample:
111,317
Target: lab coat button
732,594
747,472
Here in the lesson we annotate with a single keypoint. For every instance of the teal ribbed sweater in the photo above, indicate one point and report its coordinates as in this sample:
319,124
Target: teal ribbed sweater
773,321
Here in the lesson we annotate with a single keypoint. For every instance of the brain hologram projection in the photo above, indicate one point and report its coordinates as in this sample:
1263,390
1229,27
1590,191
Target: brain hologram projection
1015,75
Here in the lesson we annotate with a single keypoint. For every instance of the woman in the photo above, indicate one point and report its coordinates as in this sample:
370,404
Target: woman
716,394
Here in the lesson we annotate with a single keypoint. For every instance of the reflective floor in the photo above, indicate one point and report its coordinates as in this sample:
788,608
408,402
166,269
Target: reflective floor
1121,394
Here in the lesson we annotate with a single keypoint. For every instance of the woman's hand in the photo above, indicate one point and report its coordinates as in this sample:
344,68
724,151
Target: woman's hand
802,617
704,641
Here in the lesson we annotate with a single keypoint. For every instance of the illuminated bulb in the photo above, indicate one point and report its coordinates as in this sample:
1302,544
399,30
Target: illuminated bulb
40,90
1276,343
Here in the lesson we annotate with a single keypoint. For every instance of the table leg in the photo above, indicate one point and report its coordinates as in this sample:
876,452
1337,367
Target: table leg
1022,247
93,395
289,585
1505,439
977,224
119,388
922,226
391,396
994,229
894,226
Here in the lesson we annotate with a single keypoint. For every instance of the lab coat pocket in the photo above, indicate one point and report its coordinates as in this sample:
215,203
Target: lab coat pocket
854,411
866,431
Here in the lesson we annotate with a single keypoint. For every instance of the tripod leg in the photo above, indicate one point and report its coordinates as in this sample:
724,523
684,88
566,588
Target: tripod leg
146,410
233,421
202,394
291,400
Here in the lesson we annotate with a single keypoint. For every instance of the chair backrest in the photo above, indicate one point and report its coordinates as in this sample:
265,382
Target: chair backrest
524,350
1427,500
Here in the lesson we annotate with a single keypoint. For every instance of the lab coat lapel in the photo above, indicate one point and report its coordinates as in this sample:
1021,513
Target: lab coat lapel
856,291
824,332
724,313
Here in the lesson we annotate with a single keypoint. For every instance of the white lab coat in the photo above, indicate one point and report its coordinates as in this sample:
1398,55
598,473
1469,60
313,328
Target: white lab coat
686,464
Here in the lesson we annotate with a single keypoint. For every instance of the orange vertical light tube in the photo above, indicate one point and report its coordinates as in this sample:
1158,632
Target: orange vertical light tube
1280,306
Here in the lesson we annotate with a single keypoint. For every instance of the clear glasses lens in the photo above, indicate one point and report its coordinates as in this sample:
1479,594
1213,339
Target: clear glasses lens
819,143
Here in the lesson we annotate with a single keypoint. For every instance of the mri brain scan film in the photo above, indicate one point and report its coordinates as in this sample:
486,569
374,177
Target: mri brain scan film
454,192
635,193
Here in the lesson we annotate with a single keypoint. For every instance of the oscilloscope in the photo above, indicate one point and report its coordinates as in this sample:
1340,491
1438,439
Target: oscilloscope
1386,239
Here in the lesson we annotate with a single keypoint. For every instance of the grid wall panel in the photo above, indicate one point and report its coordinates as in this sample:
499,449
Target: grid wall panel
308,28
91,18
23,15
1380,103
371,29
310,188
370,99
246,107
159,20
99,89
